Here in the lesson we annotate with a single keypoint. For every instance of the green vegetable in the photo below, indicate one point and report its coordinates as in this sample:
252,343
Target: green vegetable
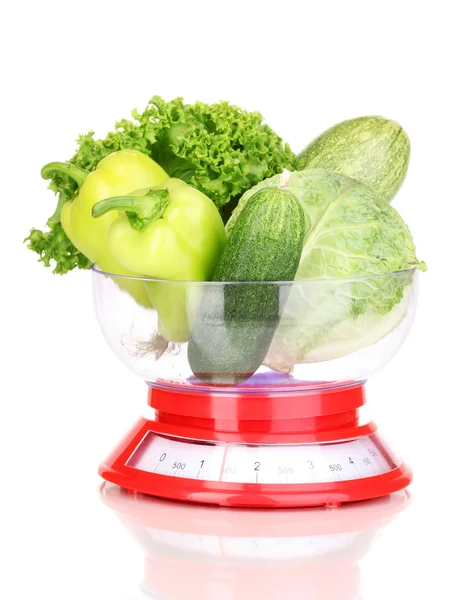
219,149
372,150
350,232
237,321
170,231
347,336
319,324
118,173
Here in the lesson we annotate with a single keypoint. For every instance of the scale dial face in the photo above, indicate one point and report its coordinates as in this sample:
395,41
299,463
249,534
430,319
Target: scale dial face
262,464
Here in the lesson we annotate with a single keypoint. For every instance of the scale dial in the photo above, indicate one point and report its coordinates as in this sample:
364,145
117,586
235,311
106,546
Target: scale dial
262,464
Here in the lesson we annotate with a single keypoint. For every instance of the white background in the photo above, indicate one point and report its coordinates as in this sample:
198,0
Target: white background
65,400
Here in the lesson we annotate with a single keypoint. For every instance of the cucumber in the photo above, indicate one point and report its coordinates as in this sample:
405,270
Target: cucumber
373,150
237,321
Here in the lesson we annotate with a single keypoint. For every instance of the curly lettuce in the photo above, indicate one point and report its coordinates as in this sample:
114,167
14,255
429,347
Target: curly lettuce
217,148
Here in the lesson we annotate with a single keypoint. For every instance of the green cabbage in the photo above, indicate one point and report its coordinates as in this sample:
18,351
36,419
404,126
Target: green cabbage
350,234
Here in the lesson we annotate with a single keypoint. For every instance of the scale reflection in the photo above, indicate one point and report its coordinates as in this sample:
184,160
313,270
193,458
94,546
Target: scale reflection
195,552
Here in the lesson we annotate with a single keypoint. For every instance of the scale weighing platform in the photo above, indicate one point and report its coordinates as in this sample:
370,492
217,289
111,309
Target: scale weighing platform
303,446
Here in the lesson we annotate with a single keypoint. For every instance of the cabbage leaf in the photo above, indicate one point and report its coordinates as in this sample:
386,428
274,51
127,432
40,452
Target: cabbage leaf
334,308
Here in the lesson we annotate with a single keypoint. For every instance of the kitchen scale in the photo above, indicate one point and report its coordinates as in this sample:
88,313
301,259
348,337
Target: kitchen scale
206,553
278,439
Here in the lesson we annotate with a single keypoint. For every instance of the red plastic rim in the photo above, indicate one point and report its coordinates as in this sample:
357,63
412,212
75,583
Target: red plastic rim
252,495
115,470
257,406
146,511
305,416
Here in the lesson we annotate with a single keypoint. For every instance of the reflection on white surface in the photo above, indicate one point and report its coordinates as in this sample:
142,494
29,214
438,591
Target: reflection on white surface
204,553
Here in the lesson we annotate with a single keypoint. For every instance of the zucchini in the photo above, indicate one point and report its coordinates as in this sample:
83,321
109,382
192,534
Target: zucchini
237,321
372,150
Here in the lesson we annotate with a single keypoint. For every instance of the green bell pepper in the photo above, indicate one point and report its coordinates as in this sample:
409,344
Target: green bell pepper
118,173
170,232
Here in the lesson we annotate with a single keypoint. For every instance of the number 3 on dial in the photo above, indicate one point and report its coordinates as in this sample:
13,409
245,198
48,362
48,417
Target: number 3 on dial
310,464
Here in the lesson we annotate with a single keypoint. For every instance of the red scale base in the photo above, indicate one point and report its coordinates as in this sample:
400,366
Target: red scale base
298,416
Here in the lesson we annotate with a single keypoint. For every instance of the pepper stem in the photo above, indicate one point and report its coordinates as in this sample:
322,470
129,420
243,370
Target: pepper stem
140,210
76,173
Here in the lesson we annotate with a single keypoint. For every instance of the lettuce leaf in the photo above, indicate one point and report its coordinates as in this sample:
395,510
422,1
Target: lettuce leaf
217,148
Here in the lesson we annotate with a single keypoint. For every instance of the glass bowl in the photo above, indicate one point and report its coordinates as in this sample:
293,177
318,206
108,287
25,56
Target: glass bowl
257,335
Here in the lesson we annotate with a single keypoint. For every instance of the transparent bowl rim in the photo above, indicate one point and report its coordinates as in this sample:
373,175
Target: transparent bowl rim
99,271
